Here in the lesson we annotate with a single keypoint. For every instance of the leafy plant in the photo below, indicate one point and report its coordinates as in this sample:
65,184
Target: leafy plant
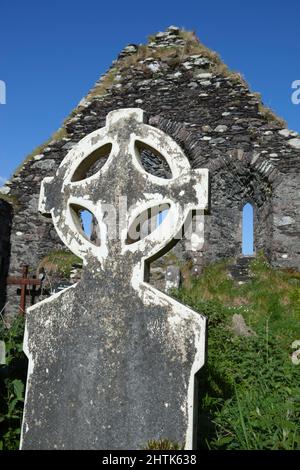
12,384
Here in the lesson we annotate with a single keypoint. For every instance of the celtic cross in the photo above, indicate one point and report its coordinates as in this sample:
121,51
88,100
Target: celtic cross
120,356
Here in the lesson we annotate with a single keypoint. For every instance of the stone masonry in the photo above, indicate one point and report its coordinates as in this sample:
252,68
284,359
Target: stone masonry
219,123
5,227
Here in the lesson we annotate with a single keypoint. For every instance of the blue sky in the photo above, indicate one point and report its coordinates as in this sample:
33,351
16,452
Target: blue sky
248,230
53,52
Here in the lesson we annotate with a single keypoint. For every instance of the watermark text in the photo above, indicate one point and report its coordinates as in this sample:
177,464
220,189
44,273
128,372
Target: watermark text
2,92
296,94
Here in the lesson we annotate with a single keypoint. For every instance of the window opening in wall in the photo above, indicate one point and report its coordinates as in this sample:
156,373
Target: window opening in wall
248,230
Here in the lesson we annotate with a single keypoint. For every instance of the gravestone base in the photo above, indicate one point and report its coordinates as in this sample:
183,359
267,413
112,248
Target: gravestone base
111,374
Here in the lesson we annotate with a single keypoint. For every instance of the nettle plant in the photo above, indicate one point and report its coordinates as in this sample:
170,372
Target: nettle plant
12,383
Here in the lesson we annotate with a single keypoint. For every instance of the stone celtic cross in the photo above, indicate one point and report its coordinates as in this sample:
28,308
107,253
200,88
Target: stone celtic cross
112,360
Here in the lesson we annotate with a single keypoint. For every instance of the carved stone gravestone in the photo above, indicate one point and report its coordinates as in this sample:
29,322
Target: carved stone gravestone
112,360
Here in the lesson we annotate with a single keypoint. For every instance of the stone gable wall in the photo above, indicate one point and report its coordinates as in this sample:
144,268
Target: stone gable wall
219,124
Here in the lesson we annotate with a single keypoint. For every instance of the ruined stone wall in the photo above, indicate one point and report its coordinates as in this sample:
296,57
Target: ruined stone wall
286,222
219,123
32,235
232,187
6,214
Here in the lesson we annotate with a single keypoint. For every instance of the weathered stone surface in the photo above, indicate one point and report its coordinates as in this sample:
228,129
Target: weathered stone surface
4,190
44,165
221,128
172,278
6,215
2,353
294,143
106,376
112,360
285,220
239,326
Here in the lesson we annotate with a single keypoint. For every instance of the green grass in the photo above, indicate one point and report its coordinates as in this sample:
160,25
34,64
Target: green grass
271,116
163,444
59,262
250,389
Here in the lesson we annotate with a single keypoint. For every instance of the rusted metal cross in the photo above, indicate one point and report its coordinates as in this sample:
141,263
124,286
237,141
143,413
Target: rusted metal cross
23,282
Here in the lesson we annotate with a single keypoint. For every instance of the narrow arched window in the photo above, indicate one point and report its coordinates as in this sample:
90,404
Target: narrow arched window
248,230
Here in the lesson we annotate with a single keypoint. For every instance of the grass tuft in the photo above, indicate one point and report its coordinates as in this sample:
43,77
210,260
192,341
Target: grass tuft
270,116
13,200
59,262
163,444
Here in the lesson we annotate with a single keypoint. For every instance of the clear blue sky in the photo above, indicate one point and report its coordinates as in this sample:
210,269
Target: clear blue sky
248,230
53,52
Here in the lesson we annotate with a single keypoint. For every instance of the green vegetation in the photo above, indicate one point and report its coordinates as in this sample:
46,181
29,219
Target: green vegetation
106,82
12,384
59,262
250,387
270,115
163,444
10,199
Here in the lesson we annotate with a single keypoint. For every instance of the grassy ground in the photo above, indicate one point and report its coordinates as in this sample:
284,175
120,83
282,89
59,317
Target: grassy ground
250,388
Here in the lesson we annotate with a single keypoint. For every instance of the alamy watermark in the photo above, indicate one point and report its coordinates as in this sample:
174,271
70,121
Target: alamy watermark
296,94
296,354
2,92
138,223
